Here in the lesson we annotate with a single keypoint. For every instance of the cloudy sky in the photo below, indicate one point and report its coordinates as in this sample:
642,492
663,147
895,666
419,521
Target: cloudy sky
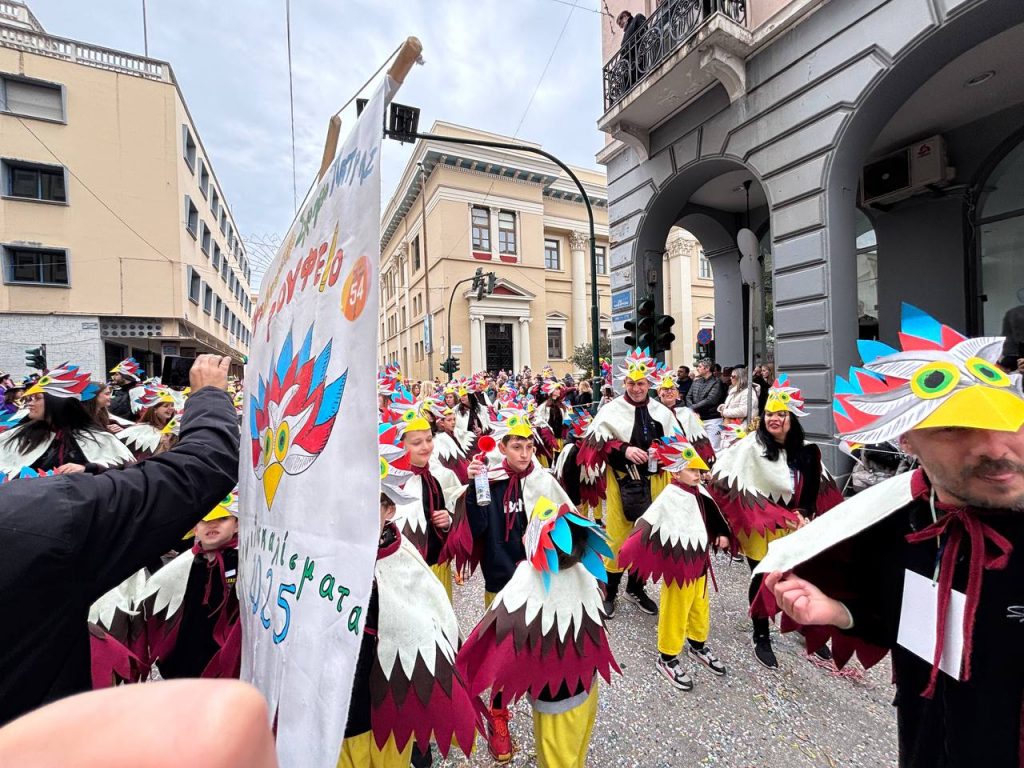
483,61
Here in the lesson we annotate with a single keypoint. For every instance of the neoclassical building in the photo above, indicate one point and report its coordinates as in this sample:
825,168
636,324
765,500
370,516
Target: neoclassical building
510,212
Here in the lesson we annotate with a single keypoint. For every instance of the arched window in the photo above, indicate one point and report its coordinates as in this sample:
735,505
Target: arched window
1001,243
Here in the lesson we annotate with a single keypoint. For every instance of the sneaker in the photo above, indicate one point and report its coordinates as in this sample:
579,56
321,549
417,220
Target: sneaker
499,740
738,559
676,675
643,602
708,659
609,609
824,653
764,654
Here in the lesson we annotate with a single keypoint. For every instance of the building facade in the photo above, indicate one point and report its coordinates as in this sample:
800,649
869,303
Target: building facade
116,238
873,147
689,294
511,212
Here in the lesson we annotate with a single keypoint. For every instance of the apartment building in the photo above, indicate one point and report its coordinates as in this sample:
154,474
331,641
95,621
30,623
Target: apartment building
116,236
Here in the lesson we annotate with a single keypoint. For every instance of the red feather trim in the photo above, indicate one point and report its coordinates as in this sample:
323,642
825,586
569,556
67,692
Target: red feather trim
649,559
459,545
112,662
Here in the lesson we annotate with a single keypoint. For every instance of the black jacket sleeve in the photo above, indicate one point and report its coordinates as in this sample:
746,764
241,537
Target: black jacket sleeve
130,517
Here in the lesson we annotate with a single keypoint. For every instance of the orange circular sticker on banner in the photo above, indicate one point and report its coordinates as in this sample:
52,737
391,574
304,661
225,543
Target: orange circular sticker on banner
356,289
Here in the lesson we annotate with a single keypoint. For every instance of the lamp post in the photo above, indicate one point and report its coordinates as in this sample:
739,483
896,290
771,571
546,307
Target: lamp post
402,125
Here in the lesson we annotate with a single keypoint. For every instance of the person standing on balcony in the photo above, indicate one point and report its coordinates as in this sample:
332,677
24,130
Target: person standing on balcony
629,24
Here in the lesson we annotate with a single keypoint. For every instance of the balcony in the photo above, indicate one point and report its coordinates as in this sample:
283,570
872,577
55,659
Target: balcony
682,48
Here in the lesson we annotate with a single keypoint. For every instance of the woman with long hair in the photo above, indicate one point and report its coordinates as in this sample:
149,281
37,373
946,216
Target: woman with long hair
155,432
741,401
58,433
99,408
767,485
470,415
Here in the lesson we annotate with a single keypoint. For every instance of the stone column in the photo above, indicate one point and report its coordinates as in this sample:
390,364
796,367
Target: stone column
476,350
728,304
579,245
524,342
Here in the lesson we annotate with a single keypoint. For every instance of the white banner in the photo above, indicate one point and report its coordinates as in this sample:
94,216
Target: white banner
309,474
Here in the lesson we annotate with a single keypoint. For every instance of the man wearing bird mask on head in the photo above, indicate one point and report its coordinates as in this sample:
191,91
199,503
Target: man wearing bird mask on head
615,466
928,565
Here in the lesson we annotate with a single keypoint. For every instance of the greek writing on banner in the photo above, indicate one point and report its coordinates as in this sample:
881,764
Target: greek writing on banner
309,474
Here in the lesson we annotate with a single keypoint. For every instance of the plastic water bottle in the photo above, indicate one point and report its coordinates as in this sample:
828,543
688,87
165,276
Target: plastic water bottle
652,462
483,489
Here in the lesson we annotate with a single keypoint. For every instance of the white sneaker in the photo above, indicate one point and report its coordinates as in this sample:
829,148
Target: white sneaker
676,675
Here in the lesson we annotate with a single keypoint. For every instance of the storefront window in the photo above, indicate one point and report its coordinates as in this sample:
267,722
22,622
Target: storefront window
1001,245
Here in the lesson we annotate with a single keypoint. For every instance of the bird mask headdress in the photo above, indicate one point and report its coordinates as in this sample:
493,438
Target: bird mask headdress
394,467
639,365
411,416
577,422
512,421
64,381
783,397
675,454
552,530
130,368
940,378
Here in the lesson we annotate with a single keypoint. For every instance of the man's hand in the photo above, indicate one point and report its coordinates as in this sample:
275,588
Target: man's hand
805,603
636,455
68,469
441,519
722,542
209,371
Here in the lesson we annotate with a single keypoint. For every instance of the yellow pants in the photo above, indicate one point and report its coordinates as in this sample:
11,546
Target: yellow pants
755,546
616,525
444,575
683,613
562,740
361,752
488,599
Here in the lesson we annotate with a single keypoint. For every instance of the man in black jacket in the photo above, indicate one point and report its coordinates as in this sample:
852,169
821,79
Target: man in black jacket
705,395
69,539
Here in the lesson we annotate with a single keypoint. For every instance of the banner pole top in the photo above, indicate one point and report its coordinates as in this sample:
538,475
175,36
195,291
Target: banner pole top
409,54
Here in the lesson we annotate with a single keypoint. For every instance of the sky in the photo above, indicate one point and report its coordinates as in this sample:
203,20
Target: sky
483,65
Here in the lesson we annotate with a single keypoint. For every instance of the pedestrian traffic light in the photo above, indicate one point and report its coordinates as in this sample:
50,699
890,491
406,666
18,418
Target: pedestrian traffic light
663,333
646,337
36,358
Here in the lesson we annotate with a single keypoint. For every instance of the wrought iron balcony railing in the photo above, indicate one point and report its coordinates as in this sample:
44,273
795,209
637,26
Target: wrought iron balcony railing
669,27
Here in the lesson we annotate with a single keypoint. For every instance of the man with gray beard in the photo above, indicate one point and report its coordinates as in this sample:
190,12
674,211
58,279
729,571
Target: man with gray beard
928,565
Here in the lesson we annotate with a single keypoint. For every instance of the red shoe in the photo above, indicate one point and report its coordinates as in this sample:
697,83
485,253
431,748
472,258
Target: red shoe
499,740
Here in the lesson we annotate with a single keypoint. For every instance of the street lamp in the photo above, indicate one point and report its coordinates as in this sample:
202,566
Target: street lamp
402,122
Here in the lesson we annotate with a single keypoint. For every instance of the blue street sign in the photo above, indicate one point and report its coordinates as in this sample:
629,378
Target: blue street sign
622,300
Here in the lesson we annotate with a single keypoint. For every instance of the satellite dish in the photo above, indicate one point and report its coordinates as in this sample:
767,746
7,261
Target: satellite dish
750,269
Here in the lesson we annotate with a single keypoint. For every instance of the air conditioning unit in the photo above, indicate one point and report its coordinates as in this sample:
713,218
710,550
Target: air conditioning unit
905,173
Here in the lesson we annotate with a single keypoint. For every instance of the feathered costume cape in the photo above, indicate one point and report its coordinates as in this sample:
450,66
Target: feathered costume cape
105,450
610,430
670,540
411,517
117,638
754,493
415,690
451,455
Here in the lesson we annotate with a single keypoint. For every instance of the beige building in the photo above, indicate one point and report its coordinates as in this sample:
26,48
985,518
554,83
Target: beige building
115,234
513,213
689,294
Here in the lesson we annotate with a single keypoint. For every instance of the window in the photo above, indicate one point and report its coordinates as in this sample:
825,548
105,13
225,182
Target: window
207,298
31,98
204,179
555,344
36,266
703,266
188,148
552,256
219,310
1000,233
602,260
216,257
191,216
204,240
35,182
481,218
214,203
416,253
223,220
231,240
224,270
193,285
507,232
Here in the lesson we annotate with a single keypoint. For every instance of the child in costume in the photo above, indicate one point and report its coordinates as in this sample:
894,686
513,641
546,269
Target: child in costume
191,604
158,422
434,492
543,634
406,690
672,541
689,422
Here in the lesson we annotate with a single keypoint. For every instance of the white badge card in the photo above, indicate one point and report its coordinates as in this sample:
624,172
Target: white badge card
918,615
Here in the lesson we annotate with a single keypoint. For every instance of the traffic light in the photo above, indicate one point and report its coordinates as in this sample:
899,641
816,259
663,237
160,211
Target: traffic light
450,365
646,337
492,282
36,358
478,283
663,333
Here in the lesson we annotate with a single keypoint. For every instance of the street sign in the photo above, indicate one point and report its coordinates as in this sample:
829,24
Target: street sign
428,334
619,321
704,336
456,349
622,300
